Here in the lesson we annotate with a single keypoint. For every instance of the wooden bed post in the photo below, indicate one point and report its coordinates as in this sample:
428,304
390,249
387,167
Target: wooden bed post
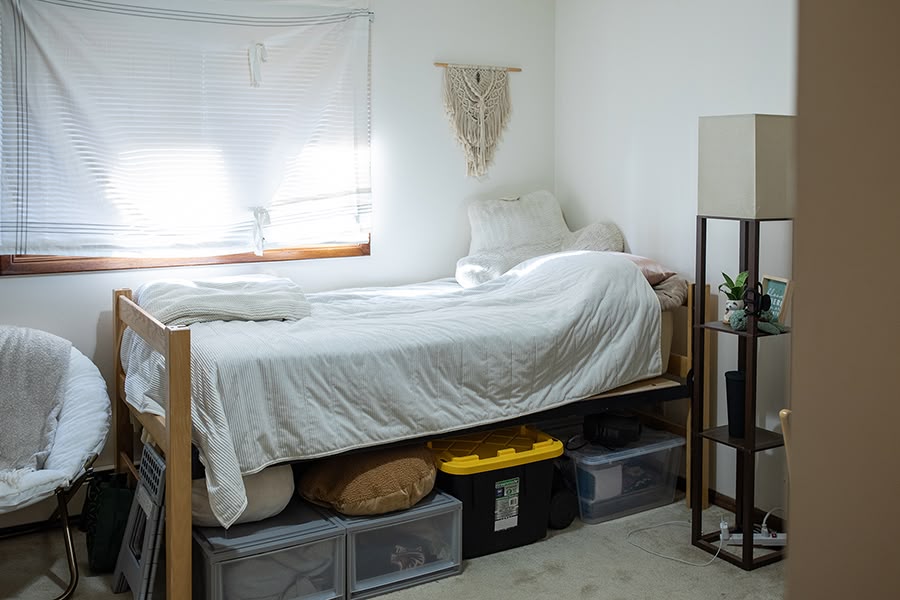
122,429
178,466
704,475
172,434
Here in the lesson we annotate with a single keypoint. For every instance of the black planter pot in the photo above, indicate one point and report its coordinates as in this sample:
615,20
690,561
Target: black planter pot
734,391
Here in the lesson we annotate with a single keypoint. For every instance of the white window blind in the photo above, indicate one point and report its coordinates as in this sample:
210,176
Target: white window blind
172,128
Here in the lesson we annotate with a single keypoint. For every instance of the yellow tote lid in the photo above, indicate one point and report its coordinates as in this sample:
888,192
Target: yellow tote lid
491,450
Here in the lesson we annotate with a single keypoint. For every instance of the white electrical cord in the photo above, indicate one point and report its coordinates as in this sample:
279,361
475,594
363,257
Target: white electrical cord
765,529
653,552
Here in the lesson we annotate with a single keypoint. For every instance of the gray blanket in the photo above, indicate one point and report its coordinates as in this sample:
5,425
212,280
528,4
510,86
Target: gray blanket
33,369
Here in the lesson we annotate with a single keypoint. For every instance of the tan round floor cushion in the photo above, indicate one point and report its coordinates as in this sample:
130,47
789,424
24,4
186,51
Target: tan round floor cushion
370,483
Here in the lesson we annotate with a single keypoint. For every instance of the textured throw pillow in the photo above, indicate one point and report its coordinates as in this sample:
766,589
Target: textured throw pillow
598,237
370,483
268,493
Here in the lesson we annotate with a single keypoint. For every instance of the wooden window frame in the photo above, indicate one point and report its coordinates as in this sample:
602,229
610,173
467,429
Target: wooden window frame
45,265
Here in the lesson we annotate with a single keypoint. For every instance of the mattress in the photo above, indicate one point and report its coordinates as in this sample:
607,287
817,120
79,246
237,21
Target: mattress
376,365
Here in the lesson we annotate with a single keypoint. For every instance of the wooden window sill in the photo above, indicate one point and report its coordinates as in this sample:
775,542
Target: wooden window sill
42,265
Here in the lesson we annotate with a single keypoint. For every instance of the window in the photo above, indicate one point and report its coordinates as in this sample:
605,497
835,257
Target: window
183,129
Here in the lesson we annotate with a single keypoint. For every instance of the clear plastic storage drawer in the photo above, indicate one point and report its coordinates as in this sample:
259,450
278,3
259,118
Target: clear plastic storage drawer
405,548
296,555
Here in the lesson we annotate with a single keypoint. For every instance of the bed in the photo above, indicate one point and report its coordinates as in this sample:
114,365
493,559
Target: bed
567,332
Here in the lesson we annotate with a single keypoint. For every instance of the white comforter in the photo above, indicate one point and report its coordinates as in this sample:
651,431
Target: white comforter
377,365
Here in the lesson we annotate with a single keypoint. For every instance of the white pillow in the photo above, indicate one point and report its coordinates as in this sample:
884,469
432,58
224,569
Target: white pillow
508,231
268,493
499,224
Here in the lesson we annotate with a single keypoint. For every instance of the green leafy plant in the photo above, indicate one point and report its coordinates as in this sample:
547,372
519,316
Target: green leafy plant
734,289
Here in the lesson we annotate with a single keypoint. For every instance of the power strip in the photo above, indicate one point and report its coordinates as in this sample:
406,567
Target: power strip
759,539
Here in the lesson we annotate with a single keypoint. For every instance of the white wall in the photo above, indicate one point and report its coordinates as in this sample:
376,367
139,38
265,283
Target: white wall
605,109
632,78
420,189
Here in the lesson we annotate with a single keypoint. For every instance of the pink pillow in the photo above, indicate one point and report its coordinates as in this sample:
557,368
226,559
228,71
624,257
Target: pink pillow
652,270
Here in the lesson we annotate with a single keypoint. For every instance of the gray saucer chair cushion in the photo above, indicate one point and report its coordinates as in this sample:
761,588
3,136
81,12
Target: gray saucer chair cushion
81,430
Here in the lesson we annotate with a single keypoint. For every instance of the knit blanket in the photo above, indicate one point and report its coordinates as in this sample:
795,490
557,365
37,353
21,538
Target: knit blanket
33,368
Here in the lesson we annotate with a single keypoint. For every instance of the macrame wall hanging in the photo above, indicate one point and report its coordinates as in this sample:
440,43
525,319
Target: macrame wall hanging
477,101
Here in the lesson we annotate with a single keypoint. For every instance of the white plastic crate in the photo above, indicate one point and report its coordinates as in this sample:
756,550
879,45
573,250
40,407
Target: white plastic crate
297,555
613,483
404,548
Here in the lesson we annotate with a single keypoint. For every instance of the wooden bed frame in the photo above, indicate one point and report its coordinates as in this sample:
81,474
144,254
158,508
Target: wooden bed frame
172,433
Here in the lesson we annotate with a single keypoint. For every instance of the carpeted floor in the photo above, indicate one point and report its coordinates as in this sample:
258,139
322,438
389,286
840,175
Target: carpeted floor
582,562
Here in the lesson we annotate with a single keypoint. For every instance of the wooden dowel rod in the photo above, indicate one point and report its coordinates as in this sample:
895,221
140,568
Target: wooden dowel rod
128,464
155,425
510,69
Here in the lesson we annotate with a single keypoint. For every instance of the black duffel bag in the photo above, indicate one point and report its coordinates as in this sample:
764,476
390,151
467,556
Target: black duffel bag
104,518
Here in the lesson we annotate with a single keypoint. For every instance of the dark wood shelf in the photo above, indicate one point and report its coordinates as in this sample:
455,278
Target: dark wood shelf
745,556
765,439
726,328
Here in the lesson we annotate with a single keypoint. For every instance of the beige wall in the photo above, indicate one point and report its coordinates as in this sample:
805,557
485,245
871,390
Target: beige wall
845,492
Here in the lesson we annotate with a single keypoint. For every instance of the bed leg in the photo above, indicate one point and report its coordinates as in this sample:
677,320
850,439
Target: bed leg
178,467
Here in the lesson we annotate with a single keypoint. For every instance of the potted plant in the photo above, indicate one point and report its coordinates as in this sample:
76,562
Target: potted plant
734,291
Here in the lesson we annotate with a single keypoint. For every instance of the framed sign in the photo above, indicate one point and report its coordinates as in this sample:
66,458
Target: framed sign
779,290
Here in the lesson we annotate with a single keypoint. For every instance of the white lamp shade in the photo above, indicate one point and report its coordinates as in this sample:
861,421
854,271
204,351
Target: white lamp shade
746,167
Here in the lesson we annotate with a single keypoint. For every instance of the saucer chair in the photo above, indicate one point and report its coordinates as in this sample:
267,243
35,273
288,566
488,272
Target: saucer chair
81,430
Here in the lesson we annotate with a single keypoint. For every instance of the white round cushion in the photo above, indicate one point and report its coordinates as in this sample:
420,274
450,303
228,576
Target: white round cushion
268,493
